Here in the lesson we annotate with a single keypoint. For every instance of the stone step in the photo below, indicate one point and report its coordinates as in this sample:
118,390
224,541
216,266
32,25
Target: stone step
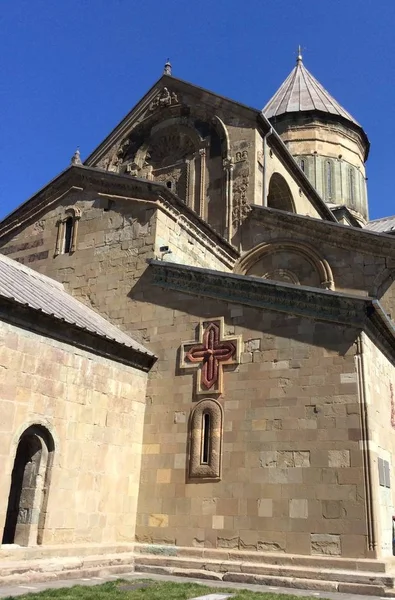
13,552
272,558
65,568
250,568
288,582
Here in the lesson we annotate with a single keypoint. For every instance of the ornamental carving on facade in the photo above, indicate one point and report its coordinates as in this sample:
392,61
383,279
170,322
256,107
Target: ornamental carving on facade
241,207
164,99
210,355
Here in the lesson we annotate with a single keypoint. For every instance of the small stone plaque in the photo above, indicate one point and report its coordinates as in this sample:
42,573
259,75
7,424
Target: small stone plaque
213,597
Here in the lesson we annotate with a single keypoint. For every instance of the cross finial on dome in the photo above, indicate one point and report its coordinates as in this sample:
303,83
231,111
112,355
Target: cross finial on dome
167,69
300,57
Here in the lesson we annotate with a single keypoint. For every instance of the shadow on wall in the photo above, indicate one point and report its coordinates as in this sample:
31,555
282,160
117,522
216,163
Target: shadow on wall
279,195
270,324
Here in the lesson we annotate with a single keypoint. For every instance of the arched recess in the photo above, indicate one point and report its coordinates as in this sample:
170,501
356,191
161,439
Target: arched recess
30,481
173,153
321,266
279,195
205,440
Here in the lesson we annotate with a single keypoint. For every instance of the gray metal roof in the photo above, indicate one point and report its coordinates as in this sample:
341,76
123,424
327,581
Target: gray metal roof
29,288
302,92
384,225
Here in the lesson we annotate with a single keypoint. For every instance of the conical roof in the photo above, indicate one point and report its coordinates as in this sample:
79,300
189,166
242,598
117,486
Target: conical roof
301,92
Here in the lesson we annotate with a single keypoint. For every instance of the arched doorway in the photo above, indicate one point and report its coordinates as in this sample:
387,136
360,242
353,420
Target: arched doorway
27,500
280,196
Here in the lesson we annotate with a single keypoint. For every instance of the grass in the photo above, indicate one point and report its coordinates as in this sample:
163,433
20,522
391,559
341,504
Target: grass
112,590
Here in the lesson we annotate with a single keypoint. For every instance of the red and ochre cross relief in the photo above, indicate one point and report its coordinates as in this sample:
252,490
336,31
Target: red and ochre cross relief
212,352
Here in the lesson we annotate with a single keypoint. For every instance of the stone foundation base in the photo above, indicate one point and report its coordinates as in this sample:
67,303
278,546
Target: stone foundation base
47,563
358,576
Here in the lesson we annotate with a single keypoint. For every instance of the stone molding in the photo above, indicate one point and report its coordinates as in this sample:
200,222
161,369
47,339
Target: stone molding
321,265
361,312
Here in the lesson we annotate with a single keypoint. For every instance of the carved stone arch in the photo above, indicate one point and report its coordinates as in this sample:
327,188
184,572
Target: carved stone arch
173,153
66,239
44,425
321,266
205,440
181,124
30,481
280,196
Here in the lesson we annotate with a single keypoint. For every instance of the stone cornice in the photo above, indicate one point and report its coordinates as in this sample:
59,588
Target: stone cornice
335,234
39,322
79,178
344,309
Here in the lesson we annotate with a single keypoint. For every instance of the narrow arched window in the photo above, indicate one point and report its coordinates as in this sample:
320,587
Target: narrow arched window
68,235
351,182
302,165
205,439
329,178
66,239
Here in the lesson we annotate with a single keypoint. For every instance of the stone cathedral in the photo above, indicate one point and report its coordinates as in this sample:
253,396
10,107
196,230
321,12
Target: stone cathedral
198,346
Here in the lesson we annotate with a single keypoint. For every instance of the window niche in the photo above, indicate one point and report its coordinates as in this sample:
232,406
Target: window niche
205,440
66,239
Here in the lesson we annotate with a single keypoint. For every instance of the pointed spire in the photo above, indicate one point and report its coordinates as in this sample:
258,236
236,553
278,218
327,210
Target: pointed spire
301,92
167,69
76,158
300,57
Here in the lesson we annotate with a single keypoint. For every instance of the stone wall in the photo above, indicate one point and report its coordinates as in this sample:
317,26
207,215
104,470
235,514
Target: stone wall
380,397
114,243
93,409
292,477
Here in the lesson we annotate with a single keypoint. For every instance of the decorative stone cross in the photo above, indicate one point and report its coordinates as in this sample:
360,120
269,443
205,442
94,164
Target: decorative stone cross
210,355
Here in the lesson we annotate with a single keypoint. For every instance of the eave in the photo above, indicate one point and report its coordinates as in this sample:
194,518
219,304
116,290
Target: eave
30,319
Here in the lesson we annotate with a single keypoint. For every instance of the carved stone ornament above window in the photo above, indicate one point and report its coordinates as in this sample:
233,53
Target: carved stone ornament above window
210,355
205,440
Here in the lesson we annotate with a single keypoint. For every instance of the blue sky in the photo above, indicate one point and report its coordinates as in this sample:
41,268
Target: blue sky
71,70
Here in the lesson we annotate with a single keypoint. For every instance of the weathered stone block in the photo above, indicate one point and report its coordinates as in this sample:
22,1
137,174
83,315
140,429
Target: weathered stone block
325,544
